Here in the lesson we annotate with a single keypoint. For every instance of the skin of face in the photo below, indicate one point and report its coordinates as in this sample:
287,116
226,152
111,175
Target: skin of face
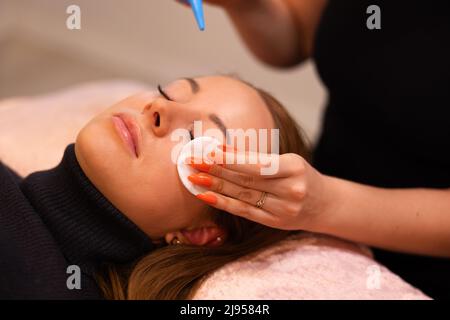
147,188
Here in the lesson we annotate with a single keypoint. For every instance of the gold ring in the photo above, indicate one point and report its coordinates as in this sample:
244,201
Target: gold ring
260,202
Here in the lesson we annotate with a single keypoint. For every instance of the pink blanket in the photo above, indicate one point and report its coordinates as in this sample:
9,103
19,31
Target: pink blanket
307,266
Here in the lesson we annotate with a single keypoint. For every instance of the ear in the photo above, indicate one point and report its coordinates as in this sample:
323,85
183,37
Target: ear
211,236
205,236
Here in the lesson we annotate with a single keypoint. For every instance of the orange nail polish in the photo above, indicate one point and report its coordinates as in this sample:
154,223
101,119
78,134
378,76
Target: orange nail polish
208,198
201,180
201,166
227,148
193,160
212,156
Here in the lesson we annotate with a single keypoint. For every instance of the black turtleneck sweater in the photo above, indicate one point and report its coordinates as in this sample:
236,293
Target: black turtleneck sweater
56,218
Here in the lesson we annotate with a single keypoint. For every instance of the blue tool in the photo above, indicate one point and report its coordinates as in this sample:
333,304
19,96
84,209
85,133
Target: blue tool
197,7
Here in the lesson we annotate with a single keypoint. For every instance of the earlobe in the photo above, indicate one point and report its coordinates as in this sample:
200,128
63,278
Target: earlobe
212,236
205,236
174,238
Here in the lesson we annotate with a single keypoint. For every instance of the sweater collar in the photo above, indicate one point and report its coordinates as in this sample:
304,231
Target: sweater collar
88,228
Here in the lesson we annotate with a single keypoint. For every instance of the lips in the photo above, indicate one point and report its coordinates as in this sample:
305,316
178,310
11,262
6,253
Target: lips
129,131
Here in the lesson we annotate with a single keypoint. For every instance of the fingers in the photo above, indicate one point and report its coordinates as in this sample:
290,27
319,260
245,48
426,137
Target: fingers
239,208
242,171
247,181
252,163
258,164
247,195
247,175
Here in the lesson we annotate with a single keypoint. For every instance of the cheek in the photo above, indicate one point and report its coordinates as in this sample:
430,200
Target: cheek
148,191
155,199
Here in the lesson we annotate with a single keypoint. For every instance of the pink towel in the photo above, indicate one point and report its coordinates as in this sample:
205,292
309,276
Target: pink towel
307,266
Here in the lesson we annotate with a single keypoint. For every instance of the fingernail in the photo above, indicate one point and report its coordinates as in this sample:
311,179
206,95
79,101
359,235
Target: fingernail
208,198
227,148
198,164
200,179
190,160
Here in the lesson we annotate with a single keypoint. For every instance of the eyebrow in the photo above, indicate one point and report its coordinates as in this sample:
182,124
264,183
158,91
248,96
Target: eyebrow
195,87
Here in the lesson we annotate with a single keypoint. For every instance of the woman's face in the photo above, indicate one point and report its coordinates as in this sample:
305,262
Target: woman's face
146,186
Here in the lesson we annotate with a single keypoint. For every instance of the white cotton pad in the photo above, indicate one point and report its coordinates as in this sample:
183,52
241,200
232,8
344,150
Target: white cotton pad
198,148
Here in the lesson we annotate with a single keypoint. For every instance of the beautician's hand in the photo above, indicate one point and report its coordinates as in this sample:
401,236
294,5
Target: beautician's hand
292,198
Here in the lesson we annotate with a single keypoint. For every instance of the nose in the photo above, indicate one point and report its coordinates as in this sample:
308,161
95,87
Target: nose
158,116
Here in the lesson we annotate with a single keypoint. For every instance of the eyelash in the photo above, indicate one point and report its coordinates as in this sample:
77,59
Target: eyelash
161,92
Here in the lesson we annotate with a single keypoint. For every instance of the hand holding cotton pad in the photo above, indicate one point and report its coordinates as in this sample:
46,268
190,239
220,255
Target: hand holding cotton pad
198,148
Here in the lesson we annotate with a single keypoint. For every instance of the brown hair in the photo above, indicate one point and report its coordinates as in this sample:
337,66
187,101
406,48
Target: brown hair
176,271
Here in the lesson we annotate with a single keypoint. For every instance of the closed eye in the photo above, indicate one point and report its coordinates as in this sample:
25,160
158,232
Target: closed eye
161,92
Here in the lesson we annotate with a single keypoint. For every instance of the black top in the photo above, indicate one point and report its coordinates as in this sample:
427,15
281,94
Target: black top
56,218
387,122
